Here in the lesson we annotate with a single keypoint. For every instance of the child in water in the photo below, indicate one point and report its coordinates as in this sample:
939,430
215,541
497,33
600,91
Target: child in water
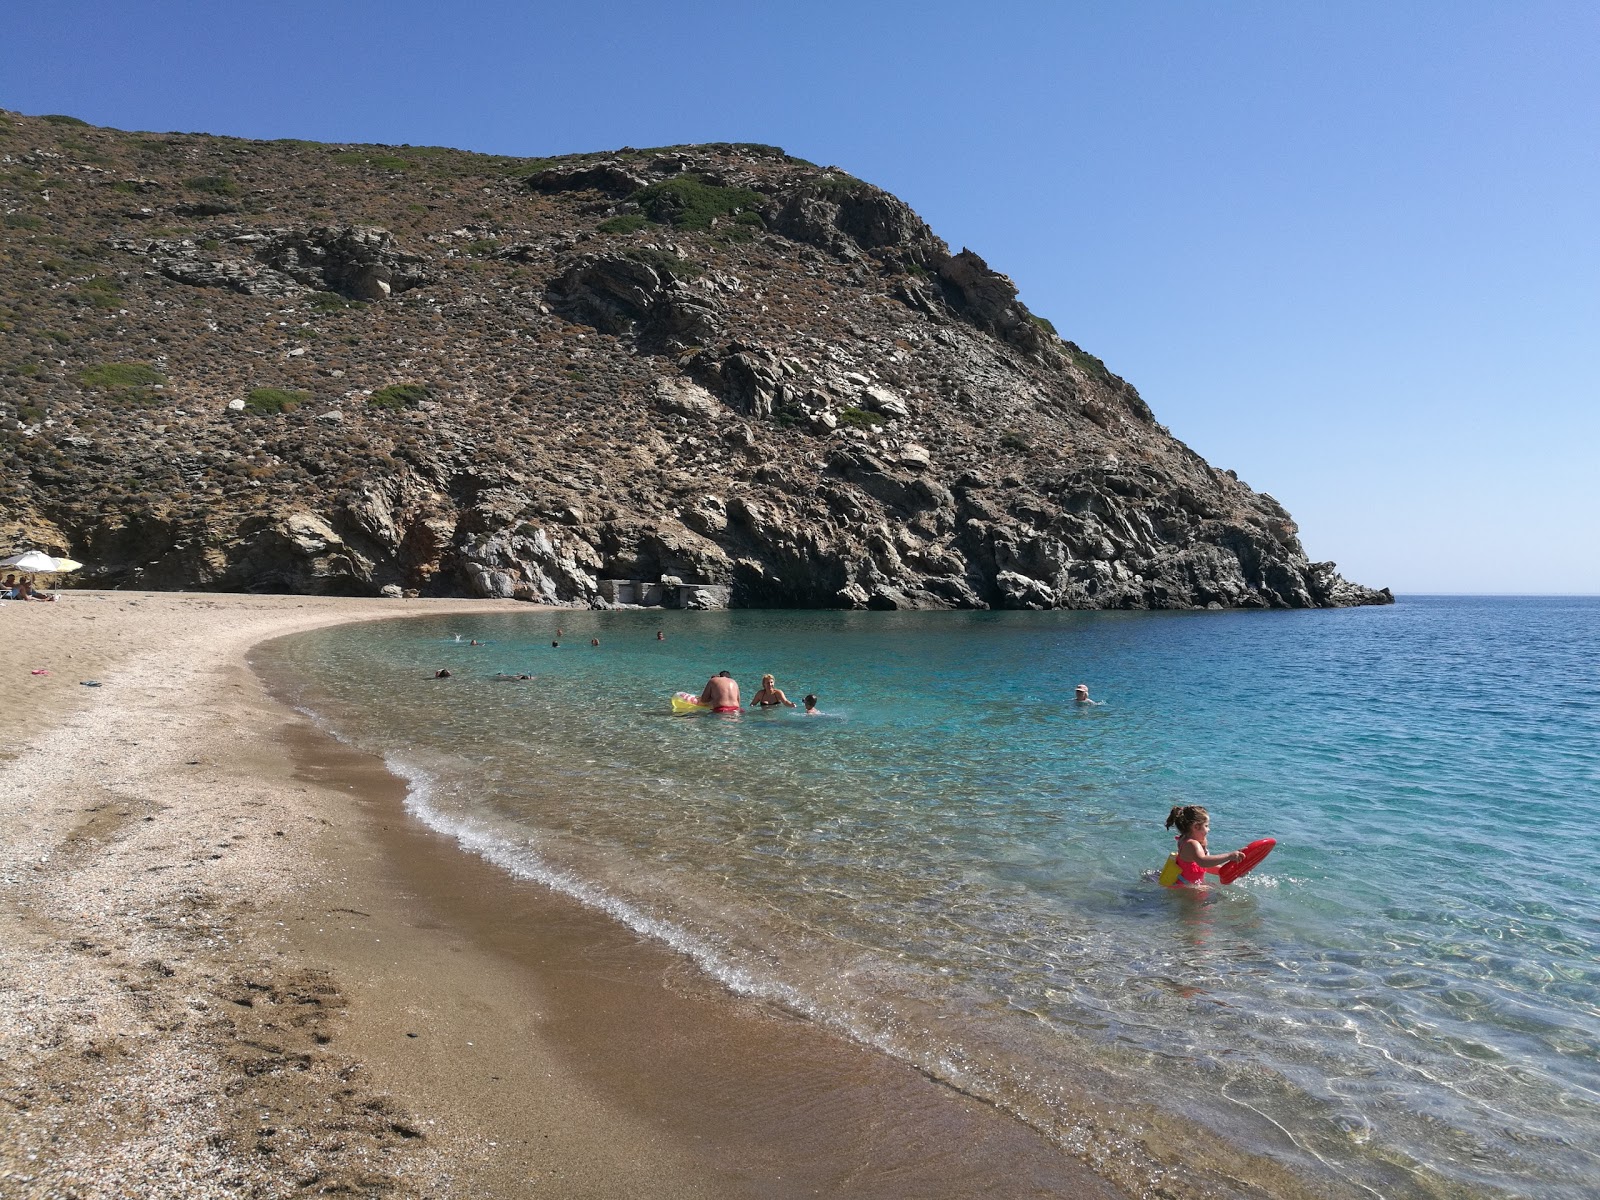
1193,823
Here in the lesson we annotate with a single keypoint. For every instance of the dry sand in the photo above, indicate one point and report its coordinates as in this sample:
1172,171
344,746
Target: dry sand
230,965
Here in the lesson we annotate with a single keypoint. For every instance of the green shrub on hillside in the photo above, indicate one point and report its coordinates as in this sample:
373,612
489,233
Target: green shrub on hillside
63,119
861,418
23,221
110,376
399,395
271,401
1088,363
327,302
99,292
212,185
837,183
1015,441
1044,324
626,223
689,202
744,228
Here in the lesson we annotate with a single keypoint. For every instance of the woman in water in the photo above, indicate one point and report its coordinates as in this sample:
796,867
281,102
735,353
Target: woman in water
1193,823
770,696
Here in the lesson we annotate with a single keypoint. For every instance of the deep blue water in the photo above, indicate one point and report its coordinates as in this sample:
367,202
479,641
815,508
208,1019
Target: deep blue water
950,862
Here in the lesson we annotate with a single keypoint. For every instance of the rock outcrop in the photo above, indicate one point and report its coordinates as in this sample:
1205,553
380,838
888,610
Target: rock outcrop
694,375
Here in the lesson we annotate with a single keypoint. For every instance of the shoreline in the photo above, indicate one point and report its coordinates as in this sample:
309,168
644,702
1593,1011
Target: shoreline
346,999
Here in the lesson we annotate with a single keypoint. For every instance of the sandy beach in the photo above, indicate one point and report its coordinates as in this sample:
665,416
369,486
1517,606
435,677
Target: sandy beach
231,965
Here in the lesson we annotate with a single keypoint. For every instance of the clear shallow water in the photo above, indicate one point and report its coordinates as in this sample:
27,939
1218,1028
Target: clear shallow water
1404,998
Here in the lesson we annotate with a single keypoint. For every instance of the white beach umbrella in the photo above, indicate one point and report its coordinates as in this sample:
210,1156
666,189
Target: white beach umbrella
39,562
30,560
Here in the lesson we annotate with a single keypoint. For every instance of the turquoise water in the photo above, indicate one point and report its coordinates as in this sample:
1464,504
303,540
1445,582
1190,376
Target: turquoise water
1404,999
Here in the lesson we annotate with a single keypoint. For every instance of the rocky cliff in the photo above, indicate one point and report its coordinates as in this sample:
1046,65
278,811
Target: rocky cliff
695,375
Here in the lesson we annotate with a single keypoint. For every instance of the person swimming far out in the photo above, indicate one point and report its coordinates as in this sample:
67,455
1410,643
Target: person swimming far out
1188,865
770,695
1080,695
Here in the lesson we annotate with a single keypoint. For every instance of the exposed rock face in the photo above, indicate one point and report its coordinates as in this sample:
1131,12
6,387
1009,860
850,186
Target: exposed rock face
621,295
697,375
360,264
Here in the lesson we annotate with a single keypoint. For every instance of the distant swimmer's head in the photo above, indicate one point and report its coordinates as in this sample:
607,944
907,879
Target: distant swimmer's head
1081,692
811,702
1188,819
441,673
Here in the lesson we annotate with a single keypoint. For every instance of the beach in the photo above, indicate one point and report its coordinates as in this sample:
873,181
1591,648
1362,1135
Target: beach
233,966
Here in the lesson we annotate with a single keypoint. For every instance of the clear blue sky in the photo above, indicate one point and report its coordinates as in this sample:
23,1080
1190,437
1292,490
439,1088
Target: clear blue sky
1351,250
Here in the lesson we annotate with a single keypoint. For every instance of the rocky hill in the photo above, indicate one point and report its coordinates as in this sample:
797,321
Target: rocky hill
694,374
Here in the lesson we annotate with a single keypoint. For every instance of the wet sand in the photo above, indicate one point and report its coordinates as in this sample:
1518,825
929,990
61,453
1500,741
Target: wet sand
231,965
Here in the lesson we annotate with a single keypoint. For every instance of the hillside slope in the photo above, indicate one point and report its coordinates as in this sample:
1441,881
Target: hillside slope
704,374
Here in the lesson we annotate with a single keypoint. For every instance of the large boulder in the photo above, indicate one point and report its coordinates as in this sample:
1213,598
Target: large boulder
608,176
361,262
622,295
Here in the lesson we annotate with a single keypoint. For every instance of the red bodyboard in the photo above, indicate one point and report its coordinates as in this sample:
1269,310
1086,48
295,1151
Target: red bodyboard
1253,854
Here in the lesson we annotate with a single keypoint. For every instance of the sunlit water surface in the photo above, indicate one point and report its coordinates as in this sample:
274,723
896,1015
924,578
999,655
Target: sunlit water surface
950,862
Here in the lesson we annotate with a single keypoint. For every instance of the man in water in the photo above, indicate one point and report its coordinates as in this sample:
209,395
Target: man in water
1080,695
721,693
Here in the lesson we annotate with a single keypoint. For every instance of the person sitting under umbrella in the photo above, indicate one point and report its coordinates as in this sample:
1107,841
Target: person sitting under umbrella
26,591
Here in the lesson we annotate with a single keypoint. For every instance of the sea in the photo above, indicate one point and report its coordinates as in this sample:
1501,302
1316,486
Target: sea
952,861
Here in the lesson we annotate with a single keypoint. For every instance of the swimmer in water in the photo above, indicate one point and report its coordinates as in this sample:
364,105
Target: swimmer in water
721,694
1193,823
1080,695
811,705
770,695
